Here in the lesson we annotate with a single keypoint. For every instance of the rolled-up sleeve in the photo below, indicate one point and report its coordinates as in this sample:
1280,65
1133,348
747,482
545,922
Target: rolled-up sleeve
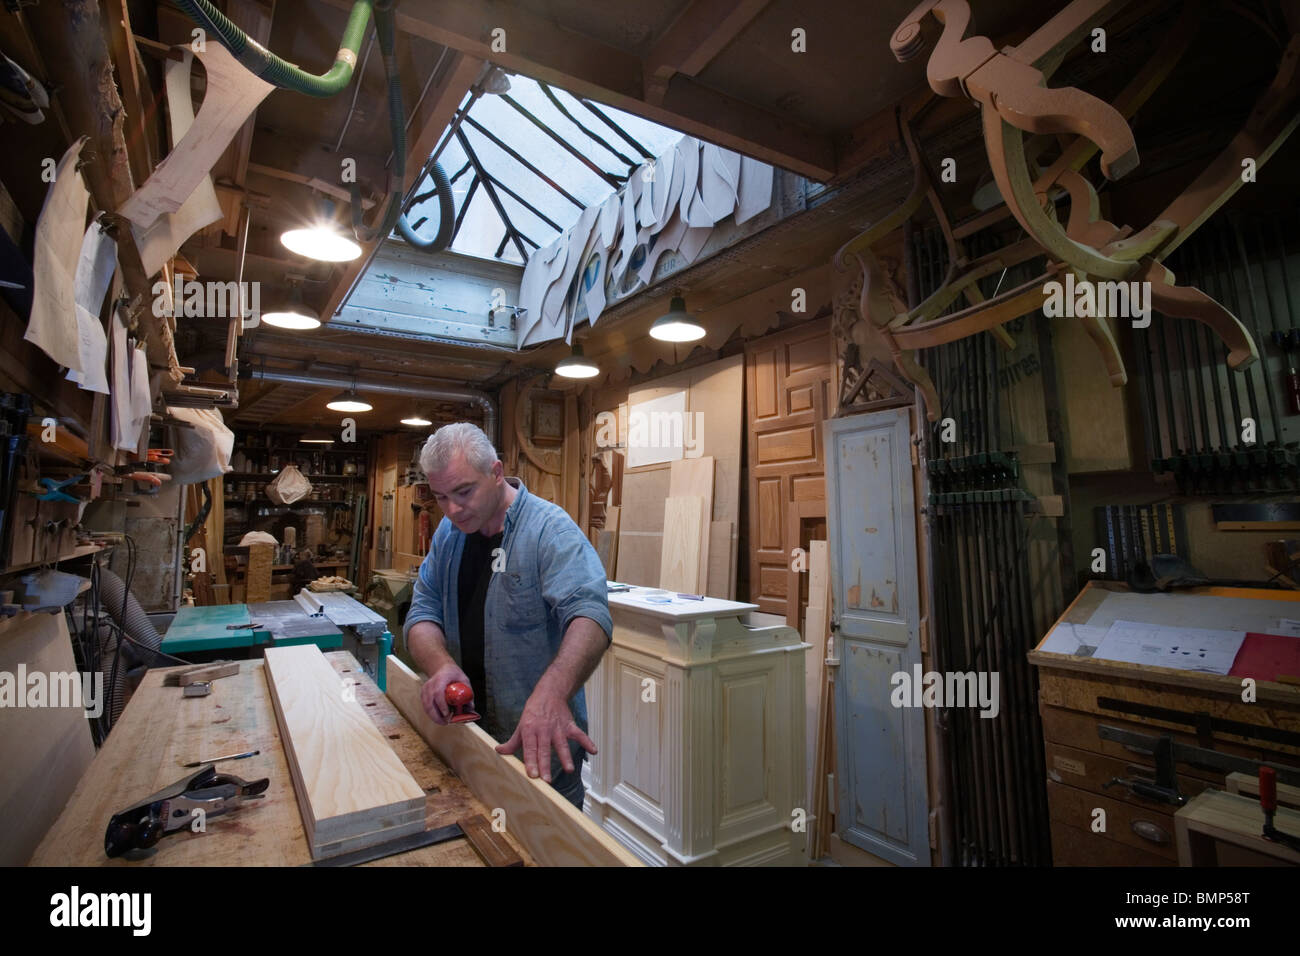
426,598
573,579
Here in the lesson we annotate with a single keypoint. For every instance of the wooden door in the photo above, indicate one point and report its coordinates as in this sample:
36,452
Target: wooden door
881,800
788,378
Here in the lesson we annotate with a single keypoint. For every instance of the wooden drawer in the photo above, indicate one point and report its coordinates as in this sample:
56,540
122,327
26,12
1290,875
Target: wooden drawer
1141,828
1074,847
1077,729
1089,771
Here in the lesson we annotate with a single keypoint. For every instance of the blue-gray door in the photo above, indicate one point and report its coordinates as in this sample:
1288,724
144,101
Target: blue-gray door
881,804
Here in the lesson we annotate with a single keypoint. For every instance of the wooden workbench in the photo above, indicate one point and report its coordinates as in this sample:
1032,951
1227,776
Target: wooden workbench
160,730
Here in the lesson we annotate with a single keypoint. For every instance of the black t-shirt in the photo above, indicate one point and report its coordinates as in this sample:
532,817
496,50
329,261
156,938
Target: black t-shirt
472,586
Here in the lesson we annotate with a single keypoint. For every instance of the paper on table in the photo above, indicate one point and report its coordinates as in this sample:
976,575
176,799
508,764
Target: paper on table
123,438
1077,639
95,267
159,241
1183,648
53,324
233,93
1287,628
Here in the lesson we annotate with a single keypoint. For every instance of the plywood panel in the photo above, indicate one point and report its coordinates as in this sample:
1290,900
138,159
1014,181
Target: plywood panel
548,826
720,581
45,750
694,478
679,568
352,789
641,525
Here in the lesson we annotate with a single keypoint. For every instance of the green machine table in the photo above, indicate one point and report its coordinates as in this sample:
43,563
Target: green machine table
281,623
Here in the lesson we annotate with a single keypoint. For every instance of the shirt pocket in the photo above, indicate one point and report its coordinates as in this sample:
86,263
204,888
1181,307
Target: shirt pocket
522,607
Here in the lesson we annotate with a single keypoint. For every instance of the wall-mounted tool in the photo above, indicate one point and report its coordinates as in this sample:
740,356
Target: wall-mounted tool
460,699
172,808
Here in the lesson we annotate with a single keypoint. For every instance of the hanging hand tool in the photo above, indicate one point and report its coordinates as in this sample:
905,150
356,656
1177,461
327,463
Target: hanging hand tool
459,699
172,808
1268,800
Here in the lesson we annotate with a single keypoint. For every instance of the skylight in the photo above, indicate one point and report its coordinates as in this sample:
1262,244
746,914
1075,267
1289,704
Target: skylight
504,142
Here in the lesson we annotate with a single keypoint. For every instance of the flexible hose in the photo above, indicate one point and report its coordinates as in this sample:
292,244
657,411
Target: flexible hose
386,33
446,216
270,67
123,607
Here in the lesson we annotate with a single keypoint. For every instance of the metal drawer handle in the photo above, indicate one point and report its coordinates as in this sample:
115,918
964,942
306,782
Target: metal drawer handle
1150,831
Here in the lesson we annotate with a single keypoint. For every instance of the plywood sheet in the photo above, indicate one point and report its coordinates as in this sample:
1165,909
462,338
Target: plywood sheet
352,789
679,566
641,525
721,583
43,750
550,828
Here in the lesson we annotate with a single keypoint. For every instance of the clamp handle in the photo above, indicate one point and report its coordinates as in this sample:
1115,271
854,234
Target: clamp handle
1268,789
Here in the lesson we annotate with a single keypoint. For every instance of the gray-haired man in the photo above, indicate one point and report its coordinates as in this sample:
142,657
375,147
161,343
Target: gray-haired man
511,600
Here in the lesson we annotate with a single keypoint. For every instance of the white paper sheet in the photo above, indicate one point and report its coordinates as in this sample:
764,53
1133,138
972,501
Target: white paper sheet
53,324
1077,639
1184,648
159,241
95,267
754,194
233,93
718,182
141,405
656,429
123,439
1286,627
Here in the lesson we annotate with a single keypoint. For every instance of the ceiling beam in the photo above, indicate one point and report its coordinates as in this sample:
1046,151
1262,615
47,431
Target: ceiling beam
538,47
702,31
434,114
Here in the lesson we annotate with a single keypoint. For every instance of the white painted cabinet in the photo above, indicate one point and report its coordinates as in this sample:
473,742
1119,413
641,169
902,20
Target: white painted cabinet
698,717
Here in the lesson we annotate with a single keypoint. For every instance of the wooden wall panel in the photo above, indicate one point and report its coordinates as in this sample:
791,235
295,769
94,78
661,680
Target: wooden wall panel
788,379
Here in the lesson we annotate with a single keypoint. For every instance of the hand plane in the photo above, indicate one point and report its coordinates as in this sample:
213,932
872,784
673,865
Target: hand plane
172,808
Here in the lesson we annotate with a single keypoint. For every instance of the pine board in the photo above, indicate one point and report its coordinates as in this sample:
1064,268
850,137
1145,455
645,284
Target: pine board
720,584
641,525
691,477
679,566
550,828
352,789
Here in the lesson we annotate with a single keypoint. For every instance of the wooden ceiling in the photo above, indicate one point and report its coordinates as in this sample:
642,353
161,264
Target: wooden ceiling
722,70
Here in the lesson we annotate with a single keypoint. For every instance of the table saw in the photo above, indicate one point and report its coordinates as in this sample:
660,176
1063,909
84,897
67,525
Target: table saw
329,620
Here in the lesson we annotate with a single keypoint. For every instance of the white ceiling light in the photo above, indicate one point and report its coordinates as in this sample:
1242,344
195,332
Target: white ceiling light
416,420
322,240
575,366
677,325
295,317
349,402
316,437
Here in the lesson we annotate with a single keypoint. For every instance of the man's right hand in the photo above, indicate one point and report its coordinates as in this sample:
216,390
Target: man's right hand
433,695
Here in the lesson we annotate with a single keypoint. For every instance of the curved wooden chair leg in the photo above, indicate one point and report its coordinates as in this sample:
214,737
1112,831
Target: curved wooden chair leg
1188,302
1099,330
1085,224
999,332
905,362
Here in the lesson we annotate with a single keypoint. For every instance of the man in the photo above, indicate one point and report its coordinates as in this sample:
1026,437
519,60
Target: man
511,600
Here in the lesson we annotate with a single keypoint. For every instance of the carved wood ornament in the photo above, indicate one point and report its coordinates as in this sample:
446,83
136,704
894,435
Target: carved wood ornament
1010,88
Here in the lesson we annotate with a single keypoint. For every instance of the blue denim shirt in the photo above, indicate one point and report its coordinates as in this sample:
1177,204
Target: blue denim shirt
551,575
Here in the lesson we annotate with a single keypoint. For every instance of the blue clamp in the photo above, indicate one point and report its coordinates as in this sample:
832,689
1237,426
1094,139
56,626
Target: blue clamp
54,488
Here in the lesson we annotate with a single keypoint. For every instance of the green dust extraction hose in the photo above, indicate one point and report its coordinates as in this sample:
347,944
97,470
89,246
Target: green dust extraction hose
270,67
280,73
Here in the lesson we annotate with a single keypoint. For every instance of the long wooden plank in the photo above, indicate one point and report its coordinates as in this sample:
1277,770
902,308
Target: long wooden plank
679,563
352,789
815,630
689,477
550,828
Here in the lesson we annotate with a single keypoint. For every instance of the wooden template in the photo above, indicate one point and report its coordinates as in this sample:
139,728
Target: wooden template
552,830
352,789
679,567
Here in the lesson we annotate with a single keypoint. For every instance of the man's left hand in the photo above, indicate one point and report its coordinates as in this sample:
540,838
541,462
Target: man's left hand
546,723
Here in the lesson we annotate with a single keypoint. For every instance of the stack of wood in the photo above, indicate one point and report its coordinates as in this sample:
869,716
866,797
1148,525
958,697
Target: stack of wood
697,557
